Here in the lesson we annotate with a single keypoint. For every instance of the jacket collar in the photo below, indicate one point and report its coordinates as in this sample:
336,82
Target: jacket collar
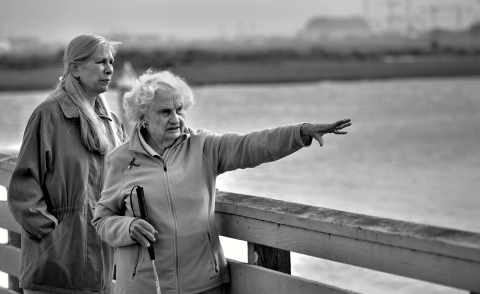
71,111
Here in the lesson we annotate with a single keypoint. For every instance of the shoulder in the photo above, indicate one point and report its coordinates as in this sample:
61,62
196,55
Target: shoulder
57,104
47,110
118,159
200,133
64,104
50,104
119,153
202,138
197,136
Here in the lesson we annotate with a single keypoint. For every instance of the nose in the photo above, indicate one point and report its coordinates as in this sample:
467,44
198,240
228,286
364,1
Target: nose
174,118
109,69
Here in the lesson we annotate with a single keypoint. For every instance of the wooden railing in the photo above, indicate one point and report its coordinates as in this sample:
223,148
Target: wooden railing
433,254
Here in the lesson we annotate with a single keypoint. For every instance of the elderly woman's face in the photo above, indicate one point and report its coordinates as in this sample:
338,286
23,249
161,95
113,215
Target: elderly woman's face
96,74
166,118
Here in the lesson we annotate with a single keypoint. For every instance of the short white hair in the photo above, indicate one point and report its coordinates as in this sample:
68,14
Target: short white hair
153,84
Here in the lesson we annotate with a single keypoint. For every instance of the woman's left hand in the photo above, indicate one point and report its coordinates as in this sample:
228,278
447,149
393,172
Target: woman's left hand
317,131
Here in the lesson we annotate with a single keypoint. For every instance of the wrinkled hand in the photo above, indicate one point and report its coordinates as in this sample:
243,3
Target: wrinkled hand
142,232
317,131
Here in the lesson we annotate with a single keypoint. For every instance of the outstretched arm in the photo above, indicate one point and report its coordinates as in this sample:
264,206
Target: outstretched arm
316,131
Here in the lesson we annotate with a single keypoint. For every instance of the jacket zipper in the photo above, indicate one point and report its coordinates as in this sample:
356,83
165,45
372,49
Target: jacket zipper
175,227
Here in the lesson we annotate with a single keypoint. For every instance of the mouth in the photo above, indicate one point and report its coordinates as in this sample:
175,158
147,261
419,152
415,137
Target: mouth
106,81
173,129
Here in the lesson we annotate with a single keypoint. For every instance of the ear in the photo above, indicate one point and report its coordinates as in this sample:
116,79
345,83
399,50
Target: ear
75,71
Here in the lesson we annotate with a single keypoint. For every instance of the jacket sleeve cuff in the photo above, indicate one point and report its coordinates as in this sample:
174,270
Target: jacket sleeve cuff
300,139
113,229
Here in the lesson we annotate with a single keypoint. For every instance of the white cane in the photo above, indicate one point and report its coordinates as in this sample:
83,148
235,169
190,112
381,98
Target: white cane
144,215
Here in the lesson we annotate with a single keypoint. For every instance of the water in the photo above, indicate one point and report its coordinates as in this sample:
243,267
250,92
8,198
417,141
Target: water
411,154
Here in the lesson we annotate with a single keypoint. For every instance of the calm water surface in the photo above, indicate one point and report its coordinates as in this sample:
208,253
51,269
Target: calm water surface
411,154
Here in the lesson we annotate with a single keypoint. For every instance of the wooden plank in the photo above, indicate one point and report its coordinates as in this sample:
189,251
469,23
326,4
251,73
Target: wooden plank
14,240
8,160
5,177
7,291
250,279
435,240
7,221
9,259
432,267
7,164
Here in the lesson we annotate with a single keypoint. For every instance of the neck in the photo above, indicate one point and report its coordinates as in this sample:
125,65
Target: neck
158,145
91,100
91,96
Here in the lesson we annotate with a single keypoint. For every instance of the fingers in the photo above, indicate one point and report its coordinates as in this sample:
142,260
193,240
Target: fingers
319,138
337,132
341,124
142,232
334,128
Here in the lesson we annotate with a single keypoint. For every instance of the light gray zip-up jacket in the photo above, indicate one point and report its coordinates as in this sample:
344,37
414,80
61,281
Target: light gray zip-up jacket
52,194
180,195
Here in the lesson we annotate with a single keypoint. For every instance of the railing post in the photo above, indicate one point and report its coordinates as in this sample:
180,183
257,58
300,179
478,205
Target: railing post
269,257
14,239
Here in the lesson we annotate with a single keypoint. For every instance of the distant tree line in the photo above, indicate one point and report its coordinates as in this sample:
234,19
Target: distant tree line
169,58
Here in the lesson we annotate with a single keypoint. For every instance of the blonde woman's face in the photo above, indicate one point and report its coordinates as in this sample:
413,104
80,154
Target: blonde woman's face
166,118
96,75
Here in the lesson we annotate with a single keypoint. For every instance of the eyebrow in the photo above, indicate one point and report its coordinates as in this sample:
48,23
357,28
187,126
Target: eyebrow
163,107
103,55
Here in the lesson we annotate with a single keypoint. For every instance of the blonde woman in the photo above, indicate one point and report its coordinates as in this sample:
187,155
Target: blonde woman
59,176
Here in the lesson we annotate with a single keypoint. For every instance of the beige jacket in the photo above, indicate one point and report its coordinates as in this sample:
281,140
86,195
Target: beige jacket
180,194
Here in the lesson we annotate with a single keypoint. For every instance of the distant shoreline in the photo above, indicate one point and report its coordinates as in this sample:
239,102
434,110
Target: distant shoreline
287,71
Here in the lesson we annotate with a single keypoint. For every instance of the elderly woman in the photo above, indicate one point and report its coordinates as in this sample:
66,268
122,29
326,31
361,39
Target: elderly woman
177,167
59,176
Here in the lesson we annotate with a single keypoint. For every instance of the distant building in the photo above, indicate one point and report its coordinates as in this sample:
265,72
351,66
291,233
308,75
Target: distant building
335,28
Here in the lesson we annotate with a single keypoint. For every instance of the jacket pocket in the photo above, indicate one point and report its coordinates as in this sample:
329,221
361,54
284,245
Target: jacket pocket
215,263
136,260
198,262
132,281
53,238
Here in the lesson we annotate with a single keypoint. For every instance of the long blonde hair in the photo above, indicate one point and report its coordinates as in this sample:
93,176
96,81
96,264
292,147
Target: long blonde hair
94,135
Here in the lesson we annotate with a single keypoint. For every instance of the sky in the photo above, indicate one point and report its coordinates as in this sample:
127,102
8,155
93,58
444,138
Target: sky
52,20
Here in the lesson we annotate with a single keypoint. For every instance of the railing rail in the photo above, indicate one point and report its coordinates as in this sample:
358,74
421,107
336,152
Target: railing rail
433,254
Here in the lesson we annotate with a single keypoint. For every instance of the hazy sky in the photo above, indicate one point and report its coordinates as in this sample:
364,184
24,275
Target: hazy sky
186,19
